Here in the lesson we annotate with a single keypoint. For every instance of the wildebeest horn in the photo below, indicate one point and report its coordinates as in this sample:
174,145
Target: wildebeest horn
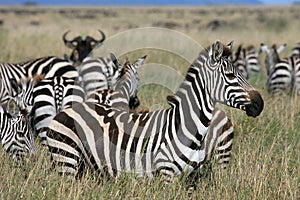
103,37
67,42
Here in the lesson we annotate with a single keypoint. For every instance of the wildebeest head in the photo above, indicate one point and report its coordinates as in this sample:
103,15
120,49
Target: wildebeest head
81,47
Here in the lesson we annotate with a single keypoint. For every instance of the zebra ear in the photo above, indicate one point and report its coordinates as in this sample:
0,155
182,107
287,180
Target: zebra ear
264,48
281,48
15,87
230,45
217,51
114,60
140,62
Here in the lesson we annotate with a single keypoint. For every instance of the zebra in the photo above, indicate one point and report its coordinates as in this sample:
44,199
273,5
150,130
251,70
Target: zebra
48,66
16,133
50,96
247,61
252,61
81,48
271,56
22,92
167,141
124,95
99,74
284,75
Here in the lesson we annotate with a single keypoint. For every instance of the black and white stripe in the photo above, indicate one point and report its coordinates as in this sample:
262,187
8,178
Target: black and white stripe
48,66
124,95
16,133
271,56
219,139
283,73
296,50
50,96
167,141
99,73
247,61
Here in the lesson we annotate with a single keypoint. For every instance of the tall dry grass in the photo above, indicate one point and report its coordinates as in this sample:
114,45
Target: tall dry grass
265,158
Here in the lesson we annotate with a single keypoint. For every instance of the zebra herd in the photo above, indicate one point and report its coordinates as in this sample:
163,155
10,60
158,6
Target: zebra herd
85,114
283,74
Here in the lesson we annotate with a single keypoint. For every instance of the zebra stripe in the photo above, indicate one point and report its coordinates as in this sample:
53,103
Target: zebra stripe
296,50
48,66
247,61
168,141
252,61
219,139
284,75
271,57
50,96
125,94
16,134
99,74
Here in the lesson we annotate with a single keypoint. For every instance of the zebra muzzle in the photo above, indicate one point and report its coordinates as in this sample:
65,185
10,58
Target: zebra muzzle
256,106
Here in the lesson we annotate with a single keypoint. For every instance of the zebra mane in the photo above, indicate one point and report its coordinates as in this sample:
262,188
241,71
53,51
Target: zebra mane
276,58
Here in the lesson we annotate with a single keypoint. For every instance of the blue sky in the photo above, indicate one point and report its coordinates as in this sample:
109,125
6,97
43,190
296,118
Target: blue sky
139,2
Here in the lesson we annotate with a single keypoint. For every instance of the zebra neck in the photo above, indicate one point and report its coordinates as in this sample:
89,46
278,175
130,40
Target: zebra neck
192,106
123,88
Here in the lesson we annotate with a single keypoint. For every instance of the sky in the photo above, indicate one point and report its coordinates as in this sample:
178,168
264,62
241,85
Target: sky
140,2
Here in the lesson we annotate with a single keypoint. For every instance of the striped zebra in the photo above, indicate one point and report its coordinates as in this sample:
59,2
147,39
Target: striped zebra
22,91
43,98
167,141
284,74
271,56
247,61
99,73
252,61
50,96
124,96
48,66
16,133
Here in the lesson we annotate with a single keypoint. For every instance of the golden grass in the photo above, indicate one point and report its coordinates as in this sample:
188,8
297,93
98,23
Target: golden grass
265,159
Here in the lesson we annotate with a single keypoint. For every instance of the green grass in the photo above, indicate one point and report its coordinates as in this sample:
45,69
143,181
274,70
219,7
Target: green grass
265,159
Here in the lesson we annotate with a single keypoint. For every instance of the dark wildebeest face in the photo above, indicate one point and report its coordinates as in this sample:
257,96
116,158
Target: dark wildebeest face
81,47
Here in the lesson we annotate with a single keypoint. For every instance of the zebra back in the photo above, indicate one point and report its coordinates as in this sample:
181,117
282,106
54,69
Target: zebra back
48,66
50,96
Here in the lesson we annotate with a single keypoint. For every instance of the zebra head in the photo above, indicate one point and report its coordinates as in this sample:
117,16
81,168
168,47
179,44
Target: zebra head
81,47
16,133
22,92
129,79
226,85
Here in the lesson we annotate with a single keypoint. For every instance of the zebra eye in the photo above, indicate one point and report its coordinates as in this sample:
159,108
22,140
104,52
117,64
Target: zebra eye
231,76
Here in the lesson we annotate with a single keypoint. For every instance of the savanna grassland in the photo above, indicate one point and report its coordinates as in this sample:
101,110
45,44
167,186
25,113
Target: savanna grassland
265,157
